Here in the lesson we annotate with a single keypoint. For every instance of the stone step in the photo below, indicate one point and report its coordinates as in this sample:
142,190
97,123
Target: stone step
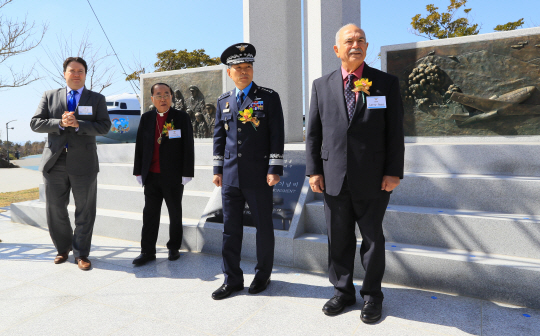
493,193
122,174
469,230
131,199
491,277
518,159
109,223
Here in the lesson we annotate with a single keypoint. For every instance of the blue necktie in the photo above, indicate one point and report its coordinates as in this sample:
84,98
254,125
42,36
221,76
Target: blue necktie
240,99
72,103
350,97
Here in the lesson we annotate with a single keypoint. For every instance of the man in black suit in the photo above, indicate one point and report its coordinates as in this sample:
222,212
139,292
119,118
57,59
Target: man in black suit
356,165
164,163
248,160
72,117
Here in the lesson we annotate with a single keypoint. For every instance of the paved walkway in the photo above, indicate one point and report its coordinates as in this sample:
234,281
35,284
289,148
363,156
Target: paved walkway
26,177
38,297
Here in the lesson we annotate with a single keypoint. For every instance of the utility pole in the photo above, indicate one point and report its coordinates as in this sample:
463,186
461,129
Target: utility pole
7,138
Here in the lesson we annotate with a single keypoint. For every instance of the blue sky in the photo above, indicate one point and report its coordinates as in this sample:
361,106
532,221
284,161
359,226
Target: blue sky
140,29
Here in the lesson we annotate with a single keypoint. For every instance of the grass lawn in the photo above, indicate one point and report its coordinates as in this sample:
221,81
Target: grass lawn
6,198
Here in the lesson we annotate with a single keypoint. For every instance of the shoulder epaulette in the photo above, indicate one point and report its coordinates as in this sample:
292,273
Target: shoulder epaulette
225,95
266,89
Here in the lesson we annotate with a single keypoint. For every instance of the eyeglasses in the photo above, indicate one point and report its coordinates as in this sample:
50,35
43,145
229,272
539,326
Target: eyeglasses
167,96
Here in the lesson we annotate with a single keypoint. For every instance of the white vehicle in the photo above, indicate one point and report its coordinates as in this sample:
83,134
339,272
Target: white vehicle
125,113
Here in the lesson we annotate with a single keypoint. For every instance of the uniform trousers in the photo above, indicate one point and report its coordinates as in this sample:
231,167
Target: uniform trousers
156,189
58,184
260,205
341,213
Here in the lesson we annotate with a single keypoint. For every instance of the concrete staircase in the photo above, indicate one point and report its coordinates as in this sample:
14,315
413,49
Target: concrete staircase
120,199
465,220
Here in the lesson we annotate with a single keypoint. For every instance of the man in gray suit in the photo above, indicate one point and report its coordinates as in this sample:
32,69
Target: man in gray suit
72,117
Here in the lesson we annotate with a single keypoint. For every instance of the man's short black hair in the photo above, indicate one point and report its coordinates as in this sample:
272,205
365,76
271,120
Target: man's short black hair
75,59
152,88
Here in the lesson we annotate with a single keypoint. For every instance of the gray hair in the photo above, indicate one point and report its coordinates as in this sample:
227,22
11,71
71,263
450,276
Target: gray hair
343,28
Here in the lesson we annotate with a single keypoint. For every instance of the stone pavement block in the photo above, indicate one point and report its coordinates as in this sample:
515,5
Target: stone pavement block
8,283
73,281
29,267
196,305
430,311
79,317
310,290
20,303
146,326
280,317
499,320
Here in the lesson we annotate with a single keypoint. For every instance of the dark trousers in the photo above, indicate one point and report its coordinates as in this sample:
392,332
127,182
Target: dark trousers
341,212
260,205
58,184
156,189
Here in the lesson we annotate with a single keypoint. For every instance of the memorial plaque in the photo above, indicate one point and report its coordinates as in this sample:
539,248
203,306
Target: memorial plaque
488,87
286,194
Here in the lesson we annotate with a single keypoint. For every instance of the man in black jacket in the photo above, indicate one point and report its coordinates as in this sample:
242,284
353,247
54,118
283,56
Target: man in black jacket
164,163
356,164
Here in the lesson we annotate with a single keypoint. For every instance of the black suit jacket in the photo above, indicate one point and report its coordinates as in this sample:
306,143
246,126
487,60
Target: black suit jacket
176,156
364,150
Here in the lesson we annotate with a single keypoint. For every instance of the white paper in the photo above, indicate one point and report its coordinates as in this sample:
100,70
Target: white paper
376,102
85,110
173,134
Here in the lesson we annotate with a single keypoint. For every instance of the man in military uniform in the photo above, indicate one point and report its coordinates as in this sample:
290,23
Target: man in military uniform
248,160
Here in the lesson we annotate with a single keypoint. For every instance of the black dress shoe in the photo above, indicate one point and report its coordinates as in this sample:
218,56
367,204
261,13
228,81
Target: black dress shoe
143,258
174,255
258,286
336,305
371,312
226,290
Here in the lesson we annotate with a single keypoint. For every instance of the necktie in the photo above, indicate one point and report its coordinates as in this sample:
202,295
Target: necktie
72,103
350,97
240,99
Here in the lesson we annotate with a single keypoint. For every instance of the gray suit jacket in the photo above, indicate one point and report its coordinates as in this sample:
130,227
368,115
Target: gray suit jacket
82,158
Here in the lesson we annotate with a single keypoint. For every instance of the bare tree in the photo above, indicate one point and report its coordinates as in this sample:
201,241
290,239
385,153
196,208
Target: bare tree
16,38
137,68
100,73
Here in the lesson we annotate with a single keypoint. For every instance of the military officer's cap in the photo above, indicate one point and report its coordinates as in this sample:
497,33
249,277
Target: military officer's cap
239,53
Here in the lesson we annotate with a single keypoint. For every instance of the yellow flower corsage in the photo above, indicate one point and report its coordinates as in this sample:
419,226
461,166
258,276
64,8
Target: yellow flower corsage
247,116
362,85
168,127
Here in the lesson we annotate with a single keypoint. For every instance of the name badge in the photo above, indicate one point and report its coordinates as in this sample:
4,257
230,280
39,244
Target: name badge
85,110
226,110
376,102
174,134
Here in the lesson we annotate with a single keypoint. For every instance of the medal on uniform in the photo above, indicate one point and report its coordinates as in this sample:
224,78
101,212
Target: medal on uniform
227,105
226,127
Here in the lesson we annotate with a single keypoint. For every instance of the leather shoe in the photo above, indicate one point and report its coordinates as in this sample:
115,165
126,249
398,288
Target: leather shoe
226,290
174,255
371,312
258,286
143,258
84,263
61,257
336,305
